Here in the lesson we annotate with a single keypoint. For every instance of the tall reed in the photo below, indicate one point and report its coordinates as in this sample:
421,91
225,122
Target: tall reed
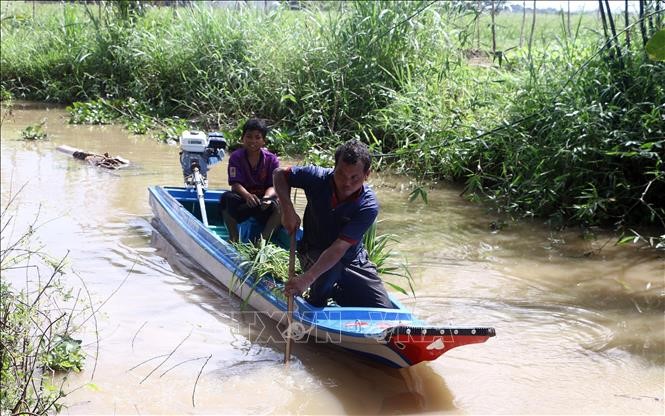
554,130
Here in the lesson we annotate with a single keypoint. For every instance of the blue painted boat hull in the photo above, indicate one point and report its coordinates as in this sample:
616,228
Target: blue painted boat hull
391,336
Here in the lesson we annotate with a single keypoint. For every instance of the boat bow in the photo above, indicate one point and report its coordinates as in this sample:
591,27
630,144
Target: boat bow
418,344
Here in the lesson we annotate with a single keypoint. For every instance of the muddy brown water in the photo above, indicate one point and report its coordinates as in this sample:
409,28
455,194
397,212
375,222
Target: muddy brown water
580,322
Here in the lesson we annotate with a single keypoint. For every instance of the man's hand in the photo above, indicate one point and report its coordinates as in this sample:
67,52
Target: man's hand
290,220
266,202
297,285
326,260
252,200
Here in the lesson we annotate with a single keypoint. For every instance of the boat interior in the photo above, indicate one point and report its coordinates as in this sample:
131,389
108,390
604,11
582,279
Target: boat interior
248,230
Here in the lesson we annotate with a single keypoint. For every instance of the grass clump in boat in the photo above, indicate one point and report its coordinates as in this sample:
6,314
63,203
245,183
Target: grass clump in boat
265,260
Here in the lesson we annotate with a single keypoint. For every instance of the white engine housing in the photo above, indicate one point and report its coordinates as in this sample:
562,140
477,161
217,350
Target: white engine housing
193,141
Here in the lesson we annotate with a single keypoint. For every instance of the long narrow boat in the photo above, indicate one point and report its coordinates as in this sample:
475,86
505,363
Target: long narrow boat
392,336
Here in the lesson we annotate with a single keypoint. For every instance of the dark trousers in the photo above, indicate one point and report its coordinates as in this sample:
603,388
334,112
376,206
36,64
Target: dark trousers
353,284
238,209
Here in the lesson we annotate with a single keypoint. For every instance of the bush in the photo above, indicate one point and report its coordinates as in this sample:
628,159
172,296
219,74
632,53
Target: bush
35,336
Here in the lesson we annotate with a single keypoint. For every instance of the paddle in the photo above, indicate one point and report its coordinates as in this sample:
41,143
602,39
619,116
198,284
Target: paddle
289,302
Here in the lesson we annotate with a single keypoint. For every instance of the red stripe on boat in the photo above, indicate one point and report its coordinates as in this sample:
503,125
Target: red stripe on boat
416,348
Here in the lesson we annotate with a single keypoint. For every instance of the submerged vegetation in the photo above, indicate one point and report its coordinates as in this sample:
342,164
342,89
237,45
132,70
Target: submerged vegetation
34,132
135,116
553,116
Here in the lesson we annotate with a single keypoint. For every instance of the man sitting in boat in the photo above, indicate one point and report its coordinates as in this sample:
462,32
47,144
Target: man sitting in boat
340,209
250,176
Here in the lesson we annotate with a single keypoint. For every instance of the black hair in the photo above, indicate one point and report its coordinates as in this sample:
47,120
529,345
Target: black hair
255,124
352,152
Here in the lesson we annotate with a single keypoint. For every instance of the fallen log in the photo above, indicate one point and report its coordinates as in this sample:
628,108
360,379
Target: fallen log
102,161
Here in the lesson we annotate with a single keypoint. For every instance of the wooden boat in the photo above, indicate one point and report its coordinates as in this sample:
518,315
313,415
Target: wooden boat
391,336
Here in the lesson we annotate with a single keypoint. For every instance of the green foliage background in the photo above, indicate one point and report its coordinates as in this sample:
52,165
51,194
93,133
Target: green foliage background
564,130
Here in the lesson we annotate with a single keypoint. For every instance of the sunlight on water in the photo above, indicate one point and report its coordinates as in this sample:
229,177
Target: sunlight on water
580,322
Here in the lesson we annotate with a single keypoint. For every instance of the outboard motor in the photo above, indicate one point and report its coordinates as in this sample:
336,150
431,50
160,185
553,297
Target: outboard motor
201,152
198,152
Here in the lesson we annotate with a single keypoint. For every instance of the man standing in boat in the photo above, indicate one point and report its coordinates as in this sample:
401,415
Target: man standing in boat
340,209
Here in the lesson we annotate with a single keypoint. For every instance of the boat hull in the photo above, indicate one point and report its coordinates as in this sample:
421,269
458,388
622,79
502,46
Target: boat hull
391,336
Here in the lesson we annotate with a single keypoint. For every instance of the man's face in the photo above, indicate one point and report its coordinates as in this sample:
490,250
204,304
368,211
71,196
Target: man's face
348,178
253,140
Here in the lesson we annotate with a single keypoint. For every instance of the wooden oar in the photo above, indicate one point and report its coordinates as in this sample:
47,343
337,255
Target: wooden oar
289,301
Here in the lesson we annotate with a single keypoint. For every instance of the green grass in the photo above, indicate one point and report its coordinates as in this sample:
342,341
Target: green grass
265,260
34,132
561,131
